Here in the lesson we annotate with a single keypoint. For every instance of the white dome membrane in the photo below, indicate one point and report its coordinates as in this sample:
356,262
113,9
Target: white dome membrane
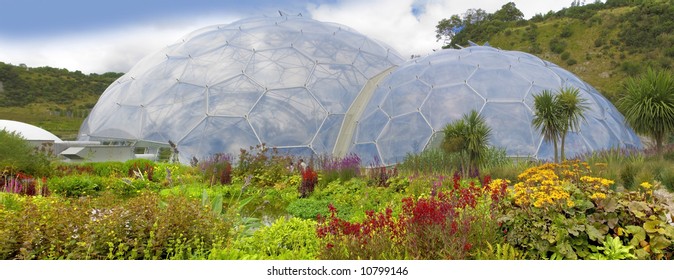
290,83
283,81
412,105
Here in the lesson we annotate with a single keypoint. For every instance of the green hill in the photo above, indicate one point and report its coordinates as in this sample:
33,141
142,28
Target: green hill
57,100
603,43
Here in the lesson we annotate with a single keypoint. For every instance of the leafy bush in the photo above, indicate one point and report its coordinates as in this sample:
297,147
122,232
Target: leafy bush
557,46
76,185
309,181
558,211
217,169
16,155
143,227
266,167
451,224
285,239
311,208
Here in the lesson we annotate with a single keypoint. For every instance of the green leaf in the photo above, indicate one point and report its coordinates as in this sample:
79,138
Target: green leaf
660,242
612,220
652,226
669,231
593,233
217,205
639,234
611,204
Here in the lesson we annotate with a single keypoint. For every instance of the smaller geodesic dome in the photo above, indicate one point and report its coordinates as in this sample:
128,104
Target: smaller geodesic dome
29,132
283,81
411,106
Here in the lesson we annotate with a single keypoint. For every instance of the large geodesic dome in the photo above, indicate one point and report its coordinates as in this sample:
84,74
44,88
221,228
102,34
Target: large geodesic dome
411,106
283,81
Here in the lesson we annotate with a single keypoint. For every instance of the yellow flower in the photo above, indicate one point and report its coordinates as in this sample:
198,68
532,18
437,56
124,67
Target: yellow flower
598,195
646,185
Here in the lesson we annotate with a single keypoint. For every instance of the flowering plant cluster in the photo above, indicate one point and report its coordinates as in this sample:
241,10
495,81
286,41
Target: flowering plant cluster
448,224
541,186
21,183
339,168
217,169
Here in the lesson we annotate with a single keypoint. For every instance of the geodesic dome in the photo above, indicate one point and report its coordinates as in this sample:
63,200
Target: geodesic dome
411,106
283,81
28,131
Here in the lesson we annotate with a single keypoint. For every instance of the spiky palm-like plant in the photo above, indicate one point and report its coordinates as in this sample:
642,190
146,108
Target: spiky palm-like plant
648,105
572,109
469,135
547,118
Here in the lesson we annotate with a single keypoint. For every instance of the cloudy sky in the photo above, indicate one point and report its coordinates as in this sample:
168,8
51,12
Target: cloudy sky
112,35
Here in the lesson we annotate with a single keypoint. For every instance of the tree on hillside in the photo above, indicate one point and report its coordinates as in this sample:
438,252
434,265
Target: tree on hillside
547,118
508,12
468,136
648,105
447,28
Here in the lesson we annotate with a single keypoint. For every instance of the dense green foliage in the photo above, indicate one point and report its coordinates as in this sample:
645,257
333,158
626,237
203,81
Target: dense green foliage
120,211
468,137
602,43
22,85
17,155
648,105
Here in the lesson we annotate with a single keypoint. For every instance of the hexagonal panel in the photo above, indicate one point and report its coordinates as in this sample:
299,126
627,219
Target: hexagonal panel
446,74
205,139
511,128
371,126
336,86
396,141
327,135
233,97
449,103
405,98
287,117
280,68
510,86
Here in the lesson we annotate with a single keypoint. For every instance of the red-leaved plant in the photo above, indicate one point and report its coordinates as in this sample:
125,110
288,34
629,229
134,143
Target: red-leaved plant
446,225
309,180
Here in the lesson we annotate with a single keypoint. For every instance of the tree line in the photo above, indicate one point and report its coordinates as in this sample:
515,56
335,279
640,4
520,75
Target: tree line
23,85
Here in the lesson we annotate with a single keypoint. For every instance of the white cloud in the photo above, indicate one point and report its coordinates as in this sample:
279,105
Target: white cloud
394,23
390,21
114,50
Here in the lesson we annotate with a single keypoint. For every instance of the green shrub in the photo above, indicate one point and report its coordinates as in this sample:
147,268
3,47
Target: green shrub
109,169
142,227
565,55
76,185
666,177
285,239
571,61
16,155
310,208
